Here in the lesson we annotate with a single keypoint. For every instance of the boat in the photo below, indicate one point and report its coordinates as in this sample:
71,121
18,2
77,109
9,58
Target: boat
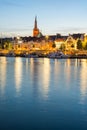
58,55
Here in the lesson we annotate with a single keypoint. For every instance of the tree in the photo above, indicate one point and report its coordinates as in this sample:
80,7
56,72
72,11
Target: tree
53,45
33,46
85,46
0,46
79,44
7,45
72,45
62,47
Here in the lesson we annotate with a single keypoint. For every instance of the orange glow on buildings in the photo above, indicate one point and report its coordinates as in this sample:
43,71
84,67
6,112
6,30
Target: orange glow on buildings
35,30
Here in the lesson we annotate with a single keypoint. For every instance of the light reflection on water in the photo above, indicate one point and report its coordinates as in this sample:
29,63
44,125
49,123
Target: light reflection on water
18,73
45,71
83,81
44,91
3,64
45,77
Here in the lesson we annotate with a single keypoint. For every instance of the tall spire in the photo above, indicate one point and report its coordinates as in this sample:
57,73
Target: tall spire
35,30
35,24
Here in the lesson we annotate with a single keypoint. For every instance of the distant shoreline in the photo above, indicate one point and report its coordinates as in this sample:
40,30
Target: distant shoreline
70,57
43,54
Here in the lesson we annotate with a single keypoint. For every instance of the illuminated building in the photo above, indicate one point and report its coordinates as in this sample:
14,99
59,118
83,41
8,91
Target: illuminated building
70,43
35,30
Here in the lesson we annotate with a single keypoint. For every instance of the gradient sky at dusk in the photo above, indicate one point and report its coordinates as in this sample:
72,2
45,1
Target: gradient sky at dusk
53,16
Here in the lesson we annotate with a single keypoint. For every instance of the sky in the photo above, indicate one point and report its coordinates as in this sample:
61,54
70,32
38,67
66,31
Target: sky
53,16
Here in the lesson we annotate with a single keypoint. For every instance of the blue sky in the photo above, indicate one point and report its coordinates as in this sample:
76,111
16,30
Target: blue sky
54,16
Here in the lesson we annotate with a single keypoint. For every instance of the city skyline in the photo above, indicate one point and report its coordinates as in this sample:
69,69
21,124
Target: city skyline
58,16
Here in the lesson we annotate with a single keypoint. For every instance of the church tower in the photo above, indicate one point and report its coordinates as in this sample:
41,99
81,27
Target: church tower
35,30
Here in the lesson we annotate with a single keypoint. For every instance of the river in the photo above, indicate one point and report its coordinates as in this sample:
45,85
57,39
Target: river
43,94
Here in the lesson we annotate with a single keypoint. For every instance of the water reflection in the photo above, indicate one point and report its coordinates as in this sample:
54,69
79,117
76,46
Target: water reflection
3,65
32,65
40,73
40,76
27,64
18,73
45,77
83,80
34,76
68,72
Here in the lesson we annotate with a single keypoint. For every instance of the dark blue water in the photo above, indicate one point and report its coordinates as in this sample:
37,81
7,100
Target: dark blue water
43,94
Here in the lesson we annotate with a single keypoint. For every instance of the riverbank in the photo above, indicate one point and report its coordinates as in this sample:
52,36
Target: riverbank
45,56
42,54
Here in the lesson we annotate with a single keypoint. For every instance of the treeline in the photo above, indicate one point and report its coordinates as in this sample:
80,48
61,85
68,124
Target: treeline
81,45
6,43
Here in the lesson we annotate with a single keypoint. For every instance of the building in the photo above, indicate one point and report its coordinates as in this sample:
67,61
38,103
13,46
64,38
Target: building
35,30
59,42
71,43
